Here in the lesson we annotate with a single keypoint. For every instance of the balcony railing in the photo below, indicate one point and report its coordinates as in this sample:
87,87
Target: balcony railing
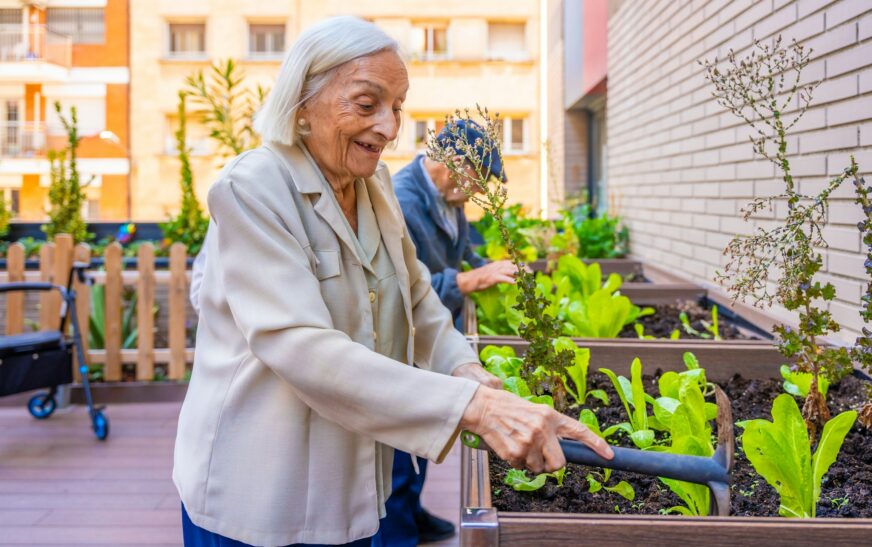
22,139
34,43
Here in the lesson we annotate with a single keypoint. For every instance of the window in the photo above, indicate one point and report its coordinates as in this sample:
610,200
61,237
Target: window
14,202
90,111
11,144
515,134
187,40
430,41
10,17
422,130
83,25
196,138
266,40
507,41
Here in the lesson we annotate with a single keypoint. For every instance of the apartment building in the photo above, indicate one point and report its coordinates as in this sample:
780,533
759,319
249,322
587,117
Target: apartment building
73,52
458,54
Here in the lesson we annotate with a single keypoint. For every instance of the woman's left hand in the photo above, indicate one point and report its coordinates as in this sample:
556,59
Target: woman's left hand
476,372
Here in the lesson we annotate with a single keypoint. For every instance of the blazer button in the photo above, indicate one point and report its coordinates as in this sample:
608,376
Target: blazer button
375,336
372,296
413,332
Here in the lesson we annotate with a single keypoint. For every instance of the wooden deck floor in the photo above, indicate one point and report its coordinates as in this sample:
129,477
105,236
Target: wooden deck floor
60,486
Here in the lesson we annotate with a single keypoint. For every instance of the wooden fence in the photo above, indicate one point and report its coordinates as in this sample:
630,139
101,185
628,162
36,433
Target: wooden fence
55,263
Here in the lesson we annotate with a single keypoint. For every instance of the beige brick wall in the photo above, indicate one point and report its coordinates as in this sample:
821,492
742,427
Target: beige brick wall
682,168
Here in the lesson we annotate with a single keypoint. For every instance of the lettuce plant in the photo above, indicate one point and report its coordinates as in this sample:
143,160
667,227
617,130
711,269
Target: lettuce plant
599,480
780,452
577,372
797,383
633,397
690,432
602,236
518,480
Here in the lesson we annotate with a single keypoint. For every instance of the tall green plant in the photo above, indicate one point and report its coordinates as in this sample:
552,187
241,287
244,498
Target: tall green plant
762,89
539,328
862,351
227,106
66,193
190,225
5,217
780,452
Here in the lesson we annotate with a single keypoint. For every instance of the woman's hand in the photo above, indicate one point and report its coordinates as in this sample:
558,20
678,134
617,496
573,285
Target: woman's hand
523,433
477,373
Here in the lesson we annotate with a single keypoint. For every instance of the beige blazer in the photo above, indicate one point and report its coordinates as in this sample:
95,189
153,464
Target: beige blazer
276,437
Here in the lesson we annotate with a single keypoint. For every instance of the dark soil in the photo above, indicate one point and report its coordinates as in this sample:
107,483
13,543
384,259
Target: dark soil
667,318
846,488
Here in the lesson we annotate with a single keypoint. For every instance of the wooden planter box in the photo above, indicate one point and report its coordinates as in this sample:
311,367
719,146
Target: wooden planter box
730,355
482,525
620,266
662,286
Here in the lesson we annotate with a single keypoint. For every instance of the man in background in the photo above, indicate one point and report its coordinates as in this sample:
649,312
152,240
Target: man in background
432,205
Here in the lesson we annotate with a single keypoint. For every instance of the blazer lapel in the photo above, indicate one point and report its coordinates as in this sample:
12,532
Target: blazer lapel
309,180
391,227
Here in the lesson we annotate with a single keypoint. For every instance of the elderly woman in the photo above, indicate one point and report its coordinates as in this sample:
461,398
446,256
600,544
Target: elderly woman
312,307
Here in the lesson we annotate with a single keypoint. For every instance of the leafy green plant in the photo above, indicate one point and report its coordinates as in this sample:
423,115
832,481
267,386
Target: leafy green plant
633,397
577,372
5,216
862,351
764,89
191,224
599,480
797,383
97,319
66,193
457,152
601,236
690,433
227,106
518,480
780,452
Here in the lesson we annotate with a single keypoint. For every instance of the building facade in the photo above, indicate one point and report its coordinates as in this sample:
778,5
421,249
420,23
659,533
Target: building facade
458,54
682,167
75,53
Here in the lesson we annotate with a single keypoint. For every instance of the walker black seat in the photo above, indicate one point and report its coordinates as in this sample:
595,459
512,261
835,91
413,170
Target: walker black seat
30,342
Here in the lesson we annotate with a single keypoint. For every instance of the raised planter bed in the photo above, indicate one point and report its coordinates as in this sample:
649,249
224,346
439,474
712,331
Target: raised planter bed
622,266
483,524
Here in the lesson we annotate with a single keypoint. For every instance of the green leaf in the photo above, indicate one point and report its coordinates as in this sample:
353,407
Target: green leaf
517,479
640,418
780,452
642,438
599,394
798,383
588,418
624,490
829,446
690,361
594,485
518,386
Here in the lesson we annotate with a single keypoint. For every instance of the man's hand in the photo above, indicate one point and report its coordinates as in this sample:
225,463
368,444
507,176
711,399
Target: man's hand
477,373
479,279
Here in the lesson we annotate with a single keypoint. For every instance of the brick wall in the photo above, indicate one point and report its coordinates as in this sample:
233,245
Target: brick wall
681,167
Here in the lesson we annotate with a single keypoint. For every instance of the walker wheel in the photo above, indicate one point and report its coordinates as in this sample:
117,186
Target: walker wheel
100,424
42,405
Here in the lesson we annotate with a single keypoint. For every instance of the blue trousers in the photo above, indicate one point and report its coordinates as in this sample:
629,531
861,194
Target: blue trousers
194,536
398,528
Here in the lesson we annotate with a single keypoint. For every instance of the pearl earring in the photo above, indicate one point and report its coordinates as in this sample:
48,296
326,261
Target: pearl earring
301,122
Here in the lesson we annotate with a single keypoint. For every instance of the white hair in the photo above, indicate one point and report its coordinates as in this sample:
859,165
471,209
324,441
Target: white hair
309,65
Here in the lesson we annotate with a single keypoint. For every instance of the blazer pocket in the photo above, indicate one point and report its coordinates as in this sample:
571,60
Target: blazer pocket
327,264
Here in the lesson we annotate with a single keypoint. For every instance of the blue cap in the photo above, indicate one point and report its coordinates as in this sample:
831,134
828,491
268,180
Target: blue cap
474,132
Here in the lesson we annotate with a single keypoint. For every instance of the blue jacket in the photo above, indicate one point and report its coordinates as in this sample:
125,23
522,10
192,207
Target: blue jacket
434,246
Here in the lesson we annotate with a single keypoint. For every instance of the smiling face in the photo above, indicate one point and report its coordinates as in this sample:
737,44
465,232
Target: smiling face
355,116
